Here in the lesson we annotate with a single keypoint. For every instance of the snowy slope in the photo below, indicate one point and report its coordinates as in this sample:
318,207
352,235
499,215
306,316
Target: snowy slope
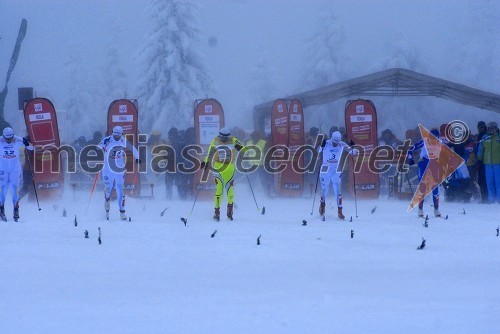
155,275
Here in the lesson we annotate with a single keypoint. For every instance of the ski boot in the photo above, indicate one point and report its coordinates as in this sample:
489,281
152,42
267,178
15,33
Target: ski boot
322,205
2,213
106,207
340,214
217,214
16,213
123,216
230,211
420,213
437,213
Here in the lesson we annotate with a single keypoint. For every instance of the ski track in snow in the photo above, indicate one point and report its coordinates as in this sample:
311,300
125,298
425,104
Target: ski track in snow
155,275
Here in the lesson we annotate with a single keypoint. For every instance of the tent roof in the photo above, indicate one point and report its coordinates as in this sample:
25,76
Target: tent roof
392,82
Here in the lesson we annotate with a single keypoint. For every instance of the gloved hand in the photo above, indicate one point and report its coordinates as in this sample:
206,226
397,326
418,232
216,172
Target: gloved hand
26,142
411,162
202,165
323,143
138,161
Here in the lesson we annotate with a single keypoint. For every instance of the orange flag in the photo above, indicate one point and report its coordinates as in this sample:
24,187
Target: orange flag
442,163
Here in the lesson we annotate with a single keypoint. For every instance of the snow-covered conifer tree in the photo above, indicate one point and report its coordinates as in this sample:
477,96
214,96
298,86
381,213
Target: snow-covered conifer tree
173,74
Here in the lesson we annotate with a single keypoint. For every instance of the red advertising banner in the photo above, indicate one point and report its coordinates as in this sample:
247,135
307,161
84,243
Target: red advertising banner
41,123
125,114
208,120
292,181
361,127
279,132
296,136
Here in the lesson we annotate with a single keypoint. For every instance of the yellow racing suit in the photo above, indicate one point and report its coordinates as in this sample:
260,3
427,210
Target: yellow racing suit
222,155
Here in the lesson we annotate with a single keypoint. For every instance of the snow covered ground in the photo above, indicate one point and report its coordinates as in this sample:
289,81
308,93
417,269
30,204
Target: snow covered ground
155,275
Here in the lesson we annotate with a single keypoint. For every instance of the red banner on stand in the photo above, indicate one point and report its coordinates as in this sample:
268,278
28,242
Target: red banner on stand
292,181
279,132
361,127
41,123
208,120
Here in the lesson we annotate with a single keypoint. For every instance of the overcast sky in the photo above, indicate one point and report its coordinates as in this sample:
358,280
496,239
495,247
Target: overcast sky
239,27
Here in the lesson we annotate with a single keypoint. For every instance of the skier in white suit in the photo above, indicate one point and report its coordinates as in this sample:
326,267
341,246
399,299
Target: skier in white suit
332,150
113,172
10,168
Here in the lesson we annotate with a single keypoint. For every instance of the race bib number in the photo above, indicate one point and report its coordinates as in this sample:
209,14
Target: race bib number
333,159
116,154
224,154
9,154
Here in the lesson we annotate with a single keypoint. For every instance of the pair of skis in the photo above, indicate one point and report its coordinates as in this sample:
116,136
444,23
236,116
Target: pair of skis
323,217
123,218
217,217
426,218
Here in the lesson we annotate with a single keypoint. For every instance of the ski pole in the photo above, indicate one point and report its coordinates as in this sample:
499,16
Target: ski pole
407,179
198,187
319,141
33,179
315,191
354,184
92,192
251,189
409,183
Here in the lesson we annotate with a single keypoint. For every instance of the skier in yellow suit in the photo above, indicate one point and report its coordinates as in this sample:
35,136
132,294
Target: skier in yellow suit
221,154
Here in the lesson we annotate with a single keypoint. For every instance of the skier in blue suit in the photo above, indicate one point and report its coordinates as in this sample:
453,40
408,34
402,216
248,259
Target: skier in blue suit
422,165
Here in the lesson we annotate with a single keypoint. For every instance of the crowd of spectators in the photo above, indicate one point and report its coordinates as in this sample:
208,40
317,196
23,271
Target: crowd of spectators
178,140
479,178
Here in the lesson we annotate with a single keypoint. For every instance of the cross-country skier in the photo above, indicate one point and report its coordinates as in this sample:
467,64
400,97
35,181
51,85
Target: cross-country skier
113,172
422,165
222,155
332,150
10,169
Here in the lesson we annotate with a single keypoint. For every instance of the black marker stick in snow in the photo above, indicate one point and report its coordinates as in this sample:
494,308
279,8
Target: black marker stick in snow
422,245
